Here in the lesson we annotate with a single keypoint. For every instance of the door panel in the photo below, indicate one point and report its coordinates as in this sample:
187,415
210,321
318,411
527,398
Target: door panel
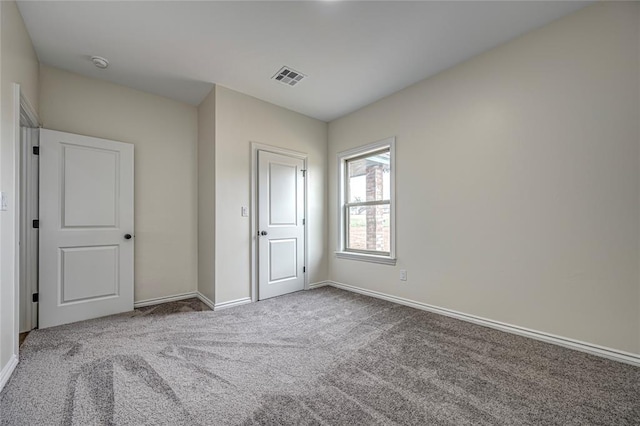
283,259
90,174
280,219
86,209
88,273
282,195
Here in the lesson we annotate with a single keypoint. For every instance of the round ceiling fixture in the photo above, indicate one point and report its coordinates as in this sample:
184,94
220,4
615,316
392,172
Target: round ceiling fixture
100,62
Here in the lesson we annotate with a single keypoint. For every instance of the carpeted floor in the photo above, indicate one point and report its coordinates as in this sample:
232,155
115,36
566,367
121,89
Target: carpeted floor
181,306
310,358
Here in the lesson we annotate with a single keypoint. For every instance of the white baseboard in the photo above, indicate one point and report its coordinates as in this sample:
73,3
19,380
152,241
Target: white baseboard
8,370
159,300
318,284
204,299
231,303
590,348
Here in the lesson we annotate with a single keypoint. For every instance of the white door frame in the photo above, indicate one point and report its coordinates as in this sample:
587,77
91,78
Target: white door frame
255,147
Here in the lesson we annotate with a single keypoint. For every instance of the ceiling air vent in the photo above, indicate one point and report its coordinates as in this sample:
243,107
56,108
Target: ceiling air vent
289,76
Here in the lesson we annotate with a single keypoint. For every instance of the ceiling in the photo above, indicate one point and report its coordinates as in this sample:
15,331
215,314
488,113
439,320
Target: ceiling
353,53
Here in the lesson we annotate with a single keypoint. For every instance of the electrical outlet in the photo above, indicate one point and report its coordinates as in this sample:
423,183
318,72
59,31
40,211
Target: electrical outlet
4,202
245,211
403,274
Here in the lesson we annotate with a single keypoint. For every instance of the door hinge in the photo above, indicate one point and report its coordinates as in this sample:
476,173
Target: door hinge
36,223
304,221
304,173
34,297
36,150
304,269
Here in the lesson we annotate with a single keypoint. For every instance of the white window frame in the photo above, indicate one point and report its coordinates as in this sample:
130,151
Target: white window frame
343,157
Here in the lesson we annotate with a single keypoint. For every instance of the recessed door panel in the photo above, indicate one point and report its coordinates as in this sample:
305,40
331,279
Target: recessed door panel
281,224
90,174
283,259
88,273
86,228
282,194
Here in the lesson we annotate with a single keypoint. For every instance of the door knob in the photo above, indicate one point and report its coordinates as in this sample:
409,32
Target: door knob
127,236
263,233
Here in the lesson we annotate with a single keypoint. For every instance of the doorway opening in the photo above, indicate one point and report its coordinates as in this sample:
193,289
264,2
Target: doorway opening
28,193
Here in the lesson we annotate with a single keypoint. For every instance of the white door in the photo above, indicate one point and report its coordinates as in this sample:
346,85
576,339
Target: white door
280,224
86,228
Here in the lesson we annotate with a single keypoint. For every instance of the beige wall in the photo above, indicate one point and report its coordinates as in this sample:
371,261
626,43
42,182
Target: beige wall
518,182
206,195
241,119
18,64
165,134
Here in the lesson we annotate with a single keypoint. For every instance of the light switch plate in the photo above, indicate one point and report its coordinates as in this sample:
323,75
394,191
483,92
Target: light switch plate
4,202
245,211
403,274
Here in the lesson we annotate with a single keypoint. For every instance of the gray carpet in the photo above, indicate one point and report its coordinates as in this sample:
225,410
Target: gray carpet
179,306
311,358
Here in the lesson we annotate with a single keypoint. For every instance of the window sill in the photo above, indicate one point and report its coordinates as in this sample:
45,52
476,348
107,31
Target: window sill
385,260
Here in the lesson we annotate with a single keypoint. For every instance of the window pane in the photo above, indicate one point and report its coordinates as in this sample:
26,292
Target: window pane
368,228
368,178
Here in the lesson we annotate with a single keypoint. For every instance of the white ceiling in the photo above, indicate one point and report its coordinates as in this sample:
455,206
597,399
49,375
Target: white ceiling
353,52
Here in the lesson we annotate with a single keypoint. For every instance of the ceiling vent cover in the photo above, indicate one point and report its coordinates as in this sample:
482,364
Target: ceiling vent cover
289,76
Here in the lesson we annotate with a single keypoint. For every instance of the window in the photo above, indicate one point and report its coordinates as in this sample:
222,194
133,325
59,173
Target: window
366,203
